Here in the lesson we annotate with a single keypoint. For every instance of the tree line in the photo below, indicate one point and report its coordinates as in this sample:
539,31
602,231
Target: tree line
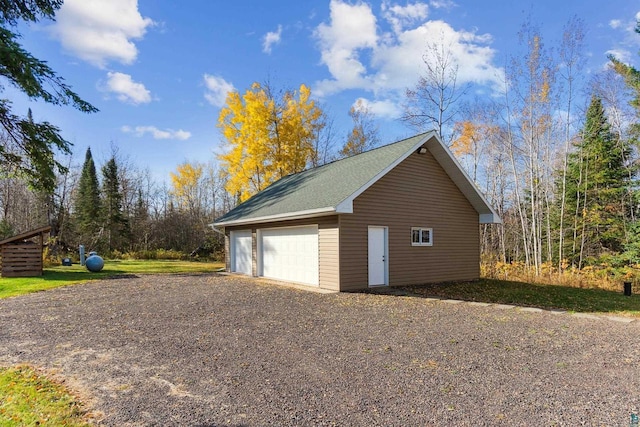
557,155
555,151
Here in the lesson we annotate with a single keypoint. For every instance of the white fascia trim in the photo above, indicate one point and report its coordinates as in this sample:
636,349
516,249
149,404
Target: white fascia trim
490,219
346,206
279,217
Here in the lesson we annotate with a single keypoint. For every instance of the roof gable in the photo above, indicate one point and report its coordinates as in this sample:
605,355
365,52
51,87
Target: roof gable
331,188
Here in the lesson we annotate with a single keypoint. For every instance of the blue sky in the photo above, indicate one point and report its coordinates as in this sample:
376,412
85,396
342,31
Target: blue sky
159,70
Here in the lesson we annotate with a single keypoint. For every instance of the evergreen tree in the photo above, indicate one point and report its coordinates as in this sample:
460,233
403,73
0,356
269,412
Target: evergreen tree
87,203
27,147
140,223
116,224
597,181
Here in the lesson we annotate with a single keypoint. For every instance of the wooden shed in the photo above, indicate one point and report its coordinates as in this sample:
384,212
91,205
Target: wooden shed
21,255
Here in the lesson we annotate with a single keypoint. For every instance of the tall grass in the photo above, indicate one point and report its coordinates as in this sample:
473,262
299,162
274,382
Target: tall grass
602,276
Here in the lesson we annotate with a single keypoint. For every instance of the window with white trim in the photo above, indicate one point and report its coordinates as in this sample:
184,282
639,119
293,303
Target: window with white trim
421,236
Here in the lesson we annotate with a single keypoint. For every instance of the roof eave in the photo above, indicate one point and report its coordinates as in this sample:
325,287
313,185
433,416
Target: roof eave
311,213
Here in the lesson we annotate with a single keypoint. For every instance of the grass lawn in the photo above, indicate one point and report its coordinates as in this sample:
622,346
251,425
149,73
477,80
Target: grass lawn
534,295
54,277
30,399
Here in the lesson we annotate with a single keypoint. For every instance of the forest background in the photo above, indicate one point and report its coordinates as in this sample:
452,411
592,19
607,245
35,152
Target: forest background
555,152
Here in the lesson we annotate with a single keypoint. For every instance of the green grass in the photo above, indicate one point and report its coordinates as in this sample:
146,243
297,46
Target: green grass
54,277
542,296
30,399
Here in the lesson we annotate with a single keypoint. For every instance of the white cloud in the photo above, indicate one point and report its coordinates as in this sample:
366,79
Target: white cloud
382,108
217,90
271,38
629,40
620,54
401,16
126,89
352,28
395,58
98,31
615,23
626,42
442,4
156,133
399,64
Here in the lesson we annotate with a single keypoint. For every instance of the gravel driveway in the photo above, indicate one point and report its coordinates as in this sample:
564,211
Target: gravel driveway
216,350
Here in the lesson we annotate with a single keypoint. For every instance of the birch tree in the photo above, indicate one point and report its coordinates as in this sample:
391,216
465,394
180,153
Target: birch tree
571,62
433,102
527,111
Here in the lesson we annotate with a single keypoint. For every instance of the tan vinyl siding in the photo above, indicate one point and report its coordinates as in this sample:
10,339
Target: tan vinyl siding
328,240
329,254
416,193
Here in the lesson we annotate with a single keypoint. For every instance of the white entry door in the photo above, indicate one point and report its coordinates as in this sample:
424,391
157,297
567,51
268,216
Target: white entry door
241,251
289,254
378,256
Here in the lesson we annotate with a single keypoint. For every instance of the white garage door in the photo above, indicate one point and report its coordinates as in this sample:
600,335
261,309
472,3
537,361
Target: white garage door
241,251
290,254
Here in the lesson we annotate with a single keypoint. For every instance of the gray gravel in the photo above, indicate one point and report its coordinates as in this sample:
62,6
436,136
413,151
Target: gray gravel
213,350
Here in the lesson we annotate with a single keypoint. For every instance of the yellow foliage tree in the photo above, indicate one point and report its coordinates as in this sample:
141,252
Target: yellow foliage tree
267,136
472,137
185,185
468,137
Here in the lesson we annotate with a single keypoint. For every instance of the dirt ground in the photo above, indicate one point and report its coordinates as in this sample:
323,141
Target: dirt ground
214,350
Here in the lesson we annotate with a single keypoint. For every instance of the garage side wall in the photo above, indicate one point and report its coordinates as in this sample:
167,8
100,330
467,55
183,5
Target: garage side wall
227,250
328,246
416,193
329,255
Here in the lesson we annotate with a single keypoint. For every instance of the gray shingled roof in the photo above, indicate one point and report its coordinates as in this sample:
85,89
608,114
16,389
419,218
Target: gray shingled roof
323,187
331,188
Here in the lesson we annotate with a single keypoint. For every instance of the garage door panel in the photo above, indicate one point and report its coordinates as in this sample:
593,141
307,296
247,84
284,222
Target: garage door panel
290,254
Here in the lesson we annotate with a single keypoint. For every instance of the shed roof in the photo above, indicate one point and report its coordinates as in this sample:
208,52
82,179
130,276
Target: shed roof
26,235
331,188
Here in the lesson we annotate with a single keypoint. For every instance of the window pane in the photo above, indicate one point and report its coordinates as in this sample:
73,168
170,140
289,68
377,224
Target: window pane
426,236
415,236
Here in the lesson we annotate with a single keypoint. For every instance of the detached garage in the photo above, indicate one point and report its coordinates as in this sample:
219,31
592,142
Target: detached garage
401,214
